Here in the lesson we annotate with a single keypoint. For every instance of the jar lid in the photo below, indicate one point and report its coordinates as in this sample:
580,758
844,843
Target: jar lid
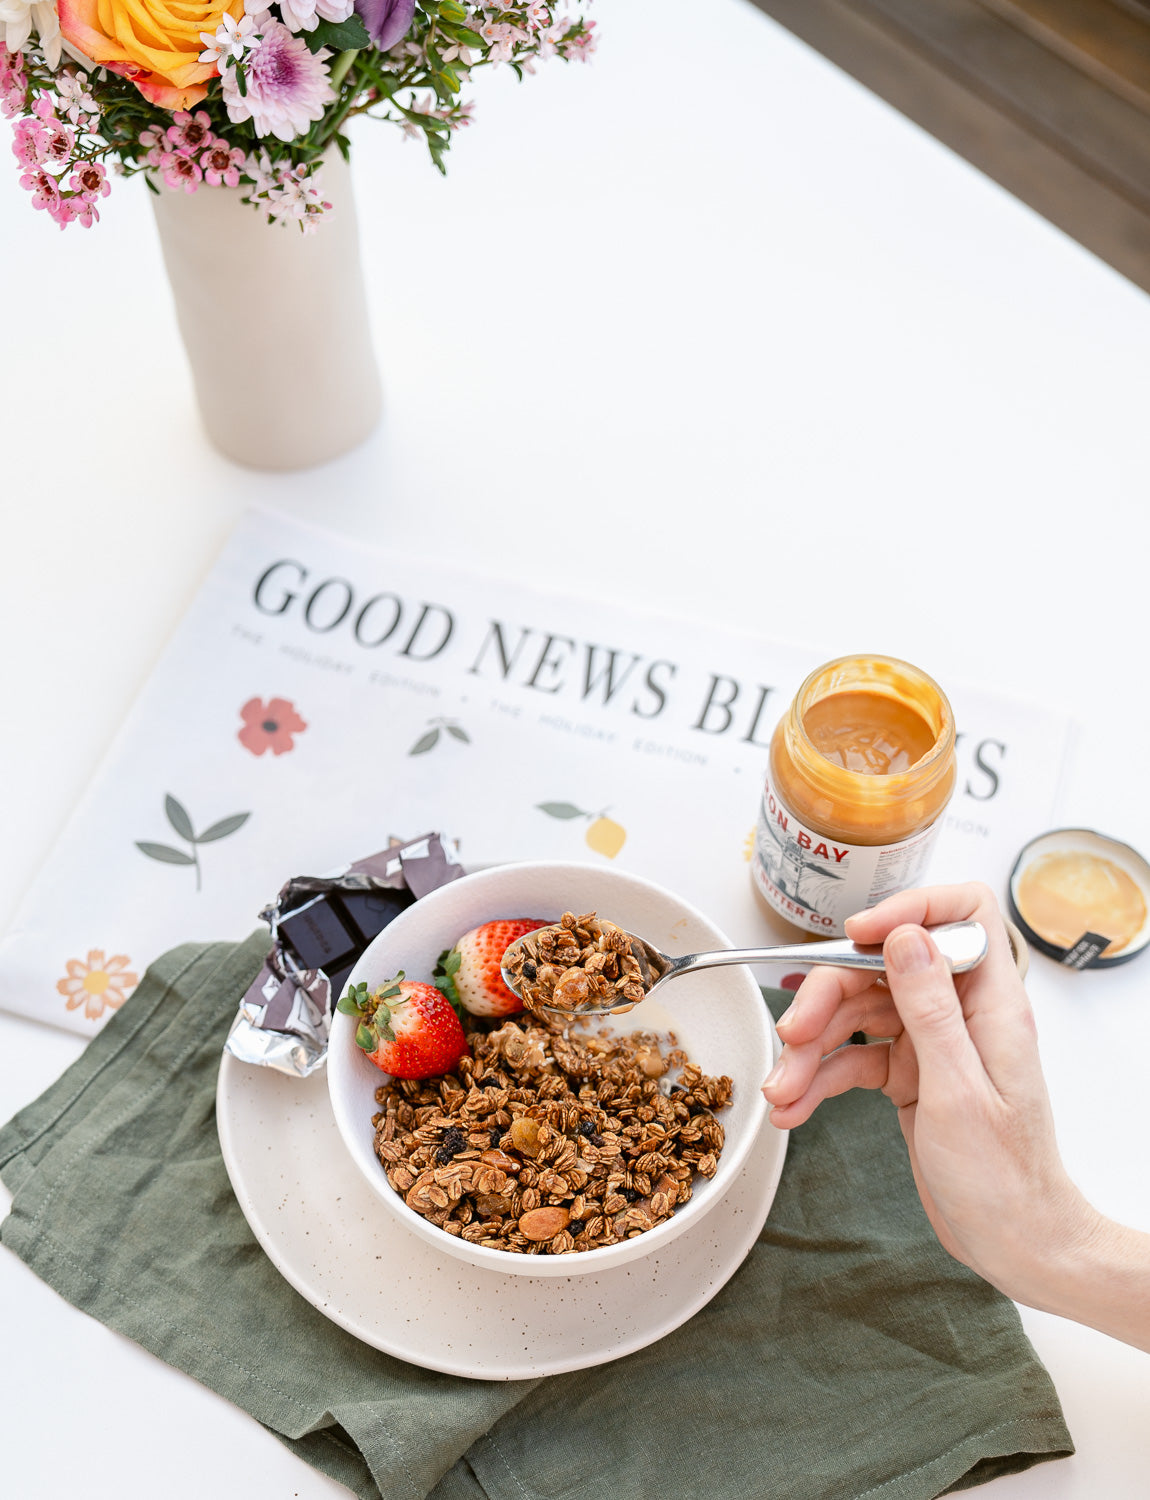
1082,898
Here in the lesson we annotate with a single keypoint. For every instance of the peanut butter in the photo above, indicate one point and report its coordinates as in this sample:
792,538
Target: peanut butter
861,768
1066,893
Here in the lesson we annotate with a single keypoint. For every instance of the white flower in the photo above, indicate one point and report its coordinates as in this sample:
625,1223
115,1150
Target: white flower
297,198
18,17
230,40
302,15
74,97
287,87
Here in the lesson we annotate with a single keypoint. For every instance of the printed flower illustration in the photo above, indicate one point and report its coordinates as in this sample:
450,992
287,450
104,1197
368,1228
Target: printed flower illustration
269,726
98,985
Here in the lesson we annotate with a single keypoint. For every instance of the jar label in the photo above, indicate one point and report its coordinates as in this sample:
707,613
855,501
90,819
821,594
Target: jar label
817,882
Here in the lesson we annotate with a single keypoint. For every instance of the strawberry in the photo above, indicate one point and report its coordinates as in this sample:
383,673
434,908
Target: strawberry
468,974
406,1028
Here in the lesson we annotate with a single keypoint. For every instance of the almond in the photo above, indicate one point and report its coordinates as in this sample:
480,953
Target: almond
543,1223
501,1160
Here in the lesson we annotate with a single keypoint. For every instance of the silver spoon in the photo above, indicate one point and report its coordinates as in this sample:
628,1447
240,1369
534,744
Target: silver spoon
962,944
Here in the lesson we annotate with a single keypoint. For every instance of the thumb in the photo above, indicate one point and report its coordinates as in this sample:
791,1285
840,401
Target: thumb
924,995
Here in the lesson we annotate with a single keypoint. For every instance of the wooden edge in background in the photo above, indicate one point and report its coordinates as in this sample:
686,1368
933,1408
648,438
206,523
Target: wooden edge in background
1050,98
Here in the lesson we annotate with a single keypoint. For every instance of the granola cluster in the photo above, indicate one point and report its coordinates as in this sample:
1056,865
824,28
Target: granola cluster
547,1142
582,961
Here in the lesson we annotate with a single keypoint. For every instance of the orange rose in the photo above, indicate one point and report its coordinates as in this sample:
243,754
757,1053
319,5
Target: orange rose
155,44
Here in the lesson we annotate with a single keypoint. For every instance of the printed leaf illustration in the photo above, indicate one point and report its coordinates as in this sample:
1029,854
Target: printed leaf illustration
165,855
430,738
221,829
178,818
561,810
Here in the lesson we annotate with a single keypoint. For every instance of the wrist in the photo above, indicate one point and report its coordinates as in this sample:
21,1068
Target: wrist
1099,1275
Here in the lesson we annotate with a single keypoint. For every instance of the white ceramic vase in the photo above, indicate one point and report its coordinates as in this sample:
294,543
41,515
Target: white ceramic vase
274,322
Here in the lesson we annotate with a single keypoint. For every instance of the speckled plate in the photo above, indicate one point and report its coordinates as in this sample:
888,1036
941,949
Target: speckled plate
325,1231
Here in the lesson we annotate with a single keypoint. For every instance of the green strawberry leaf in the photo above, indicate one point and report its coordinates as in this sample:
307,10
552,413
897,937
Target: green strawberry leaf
443,978
365,1038
385,1032
354,1003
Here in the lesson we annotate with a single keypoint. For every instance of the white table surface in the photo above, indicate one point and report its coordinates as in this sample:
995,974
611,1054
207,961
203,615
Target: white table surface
818,376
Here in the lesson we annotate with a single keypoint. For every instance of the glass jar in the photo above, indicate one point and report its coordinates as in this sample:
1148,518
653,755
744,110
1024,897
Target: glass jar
861,768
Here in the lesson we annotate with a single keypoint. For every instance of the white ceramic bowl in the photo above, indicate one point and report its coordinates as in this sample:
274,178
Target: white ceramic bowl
719,1017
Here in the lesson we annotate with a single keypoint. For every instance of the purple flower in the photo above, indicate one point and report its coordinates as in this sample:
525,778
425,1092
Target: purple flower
387,21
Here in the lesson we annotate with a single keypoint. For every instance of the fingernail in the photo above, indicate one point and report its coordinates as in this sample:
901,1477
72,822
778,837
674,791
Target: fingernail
907,952
787,1016
775,1075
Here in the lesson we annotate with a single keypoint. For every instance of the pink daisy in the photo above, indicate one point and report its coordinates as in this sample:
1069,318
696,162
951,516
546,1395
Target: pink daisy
287,86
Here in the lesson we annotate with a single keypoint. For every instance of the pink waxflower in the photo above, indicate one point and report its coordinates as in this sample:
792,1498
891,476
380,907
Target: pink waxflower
180,171
287,86
153,140
582,46
13,83
189,133
44,188
222,164
28,143
57,142
89,182
68,210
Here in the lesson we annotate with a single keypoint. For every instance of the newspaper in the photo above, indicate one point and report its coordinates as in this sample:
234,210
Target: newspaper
322,699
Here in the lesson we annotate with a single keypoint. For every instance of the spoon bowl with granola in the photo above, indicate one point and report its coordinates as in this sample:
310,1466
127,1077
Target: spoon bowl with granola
546,1145
583,965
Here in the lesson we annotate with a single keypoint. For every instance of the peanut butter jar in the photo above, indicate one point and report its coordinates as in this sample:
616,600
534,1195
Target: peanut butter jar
861,768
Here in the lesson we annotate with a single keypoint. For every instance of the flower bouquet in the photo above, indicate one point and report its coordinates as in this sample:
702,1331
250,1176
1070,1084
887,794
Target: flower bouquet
242,94
224,104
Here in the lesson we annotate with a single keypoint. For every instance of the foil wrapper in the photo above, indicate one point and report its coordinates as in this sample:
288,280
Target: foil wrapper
320,924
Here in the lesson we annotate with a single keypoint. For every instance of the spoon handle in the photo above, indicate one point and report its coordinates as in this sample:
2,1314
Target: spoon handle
962,944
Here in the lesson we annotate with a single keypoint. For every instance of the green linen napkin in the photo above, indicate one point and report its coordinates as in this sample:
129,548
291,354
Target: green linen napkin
849,1357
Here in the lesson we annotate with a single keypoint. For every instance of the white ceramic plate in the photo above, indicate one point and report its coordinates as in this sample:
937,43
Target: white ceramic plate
331,1238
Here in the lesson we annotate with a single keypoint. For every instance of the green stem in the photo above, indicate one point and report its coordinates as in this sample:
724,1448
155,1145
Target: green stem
339,68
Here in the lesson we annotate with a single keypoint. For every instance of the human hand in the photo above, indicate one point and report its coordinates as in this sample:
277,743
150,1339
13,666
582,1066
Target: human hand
961,1066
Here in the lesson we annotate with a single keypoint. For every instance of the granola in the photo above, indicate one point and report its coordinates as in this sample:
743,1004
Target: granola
583,961
548,1140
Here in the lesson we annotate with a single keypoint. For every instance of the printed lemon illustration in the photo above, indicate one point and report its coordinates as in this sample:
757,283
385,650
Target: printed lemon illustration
605,835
